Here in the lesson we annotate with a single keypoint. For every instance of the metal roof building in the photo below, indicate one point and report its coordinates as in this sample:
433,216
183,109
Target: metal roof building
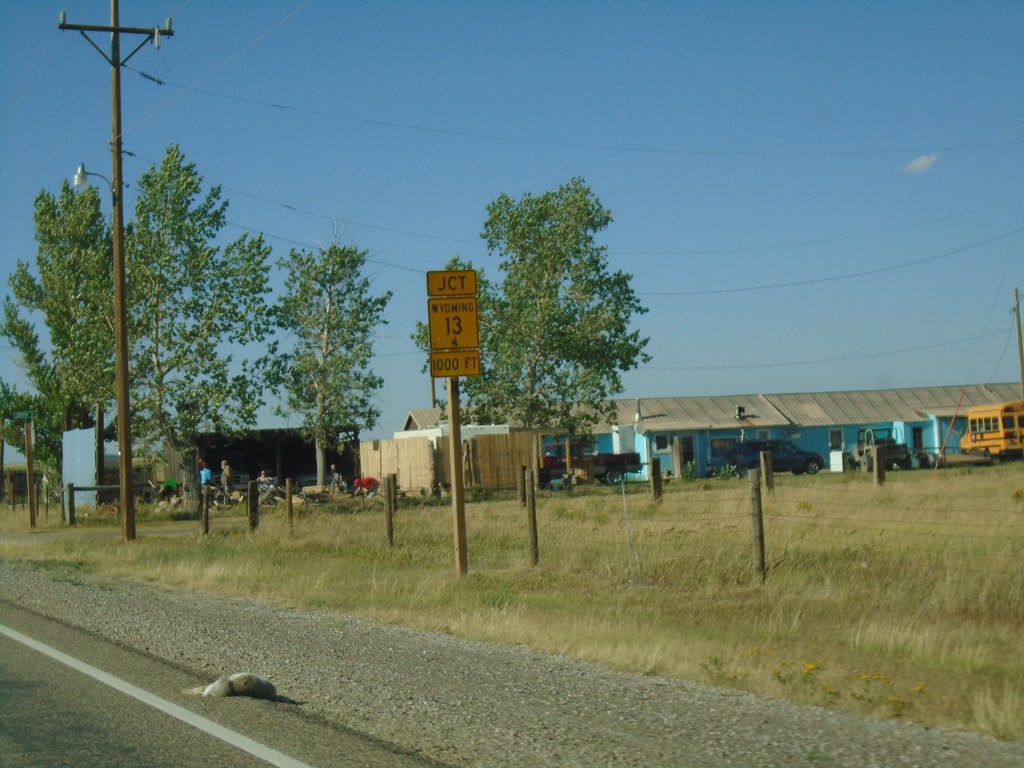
808,409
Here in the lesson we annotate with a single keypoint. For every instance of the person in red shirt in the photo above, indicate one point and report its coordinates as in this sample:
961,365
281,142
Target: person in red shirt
366,486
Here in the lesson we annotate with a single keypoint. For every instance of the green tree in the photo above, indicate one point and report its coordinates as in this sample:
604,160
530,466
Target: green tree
194,307
556,333
329,315
12,431
71,365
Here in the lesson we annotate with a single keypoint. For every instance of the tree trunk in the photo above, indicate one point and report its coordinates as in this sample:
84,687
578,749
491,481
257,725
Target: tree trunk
321,461
191,493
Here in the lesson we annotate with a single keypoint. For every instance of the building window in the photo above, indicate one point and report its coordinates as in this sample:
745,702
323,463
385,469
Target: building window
835,439
723,448
686,443
663,443
918,437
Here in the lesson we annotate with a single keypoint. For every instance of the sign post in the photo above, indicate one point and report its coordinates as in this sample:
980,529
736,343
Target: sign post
448,362
454,351
453,323
27,416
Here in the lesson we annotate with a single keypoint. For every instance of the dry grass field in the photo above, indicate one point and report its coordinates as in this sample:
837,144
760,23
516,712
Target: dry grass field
904,600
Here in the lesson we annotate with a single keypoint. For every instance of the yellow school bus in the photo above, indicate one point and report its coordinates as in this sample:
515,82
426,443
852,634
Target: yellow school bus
995,430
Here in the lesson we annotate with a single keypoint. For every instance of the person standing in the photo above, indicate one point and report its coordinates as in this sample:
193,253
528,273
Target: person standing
337,480
205,475
227,479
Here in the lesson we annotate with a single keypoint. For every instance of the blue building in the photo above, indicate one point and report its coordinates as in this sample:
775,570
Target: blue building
925,418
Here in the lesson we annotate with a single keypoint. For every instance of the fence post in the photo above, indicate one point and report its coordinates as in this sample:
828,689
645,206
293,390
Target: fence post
655,469
71,503
531,515
757,524
288,505
521,485
389,509
768,469
252,499
204,511
878,452
394,492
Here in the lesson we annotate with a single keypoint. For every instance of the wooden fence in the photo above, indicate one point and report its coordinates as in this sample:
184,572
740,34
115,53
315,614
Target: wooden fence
489,461
411,459
496,461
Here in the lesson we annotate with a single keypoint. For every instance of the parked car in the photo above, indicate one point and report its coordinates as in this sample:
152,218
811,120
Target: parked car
786,456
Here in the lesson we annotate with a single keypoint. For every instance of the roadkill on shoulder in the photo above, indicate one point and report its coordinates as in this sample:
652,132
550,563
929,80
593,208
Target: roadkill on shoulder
239,684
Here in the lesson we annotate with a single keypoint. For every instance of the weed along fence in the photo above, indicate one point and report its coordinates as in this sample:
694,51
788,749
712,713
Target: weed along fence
720,533
72,488
955,536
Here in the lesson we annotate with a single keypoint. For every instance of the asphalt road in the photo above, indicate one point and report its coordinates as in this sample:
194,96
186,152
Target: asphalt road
54,712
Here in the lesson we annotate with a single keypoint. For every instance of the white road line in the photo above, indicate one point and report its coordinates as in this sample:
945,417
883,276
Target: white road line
233,738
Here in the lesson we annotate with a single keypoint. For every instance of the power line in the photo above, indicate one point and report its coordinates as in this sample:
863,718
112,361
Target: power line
477,243
579,145
379,228
309,245
774,246
790,364
824,240
209,74
24,74
744,289
833,278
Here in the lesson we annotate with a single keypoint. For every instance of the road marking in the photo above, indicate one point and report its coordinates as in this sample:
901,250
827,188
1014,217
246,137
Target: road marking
262,751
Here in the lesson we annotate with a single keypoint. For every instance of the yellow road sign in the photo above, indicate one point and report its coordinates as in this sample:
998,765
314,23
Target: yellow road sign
453,323
463,362
452,282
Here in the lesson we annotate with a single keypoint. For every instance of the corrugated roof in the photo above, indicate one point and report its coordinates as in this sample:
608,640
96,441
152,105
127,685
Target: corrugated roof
807,409
688,413
422,418
882,405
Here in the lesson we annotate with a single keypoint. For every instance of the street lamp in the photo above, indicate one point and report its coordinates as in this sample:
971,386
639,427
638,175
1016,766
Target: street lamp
124,411
81,177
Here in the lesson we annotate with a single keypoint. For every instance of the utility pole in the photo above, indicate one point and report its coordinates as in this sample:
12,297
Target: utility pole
124,426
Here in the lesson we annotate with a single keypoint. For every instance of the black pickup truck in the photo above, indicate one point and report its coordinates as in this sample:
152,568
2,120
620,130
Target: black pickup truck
608,468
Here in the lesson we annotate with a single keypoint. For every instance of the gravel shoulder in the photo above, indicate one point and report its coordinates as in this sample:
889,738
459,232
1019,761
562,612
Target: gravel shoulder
473,704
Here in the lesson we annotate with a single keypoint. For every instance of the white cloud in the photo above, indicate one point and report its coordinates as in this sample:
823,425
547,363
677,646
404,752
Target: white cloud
922,164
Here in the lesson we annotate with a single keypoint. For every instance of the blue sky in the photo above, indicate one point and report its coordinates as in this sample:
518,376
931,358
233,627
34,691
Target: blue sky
810,196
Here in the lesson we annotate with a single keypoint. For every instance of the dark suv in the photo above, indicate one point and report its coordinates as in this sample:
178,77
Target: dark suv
786,456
